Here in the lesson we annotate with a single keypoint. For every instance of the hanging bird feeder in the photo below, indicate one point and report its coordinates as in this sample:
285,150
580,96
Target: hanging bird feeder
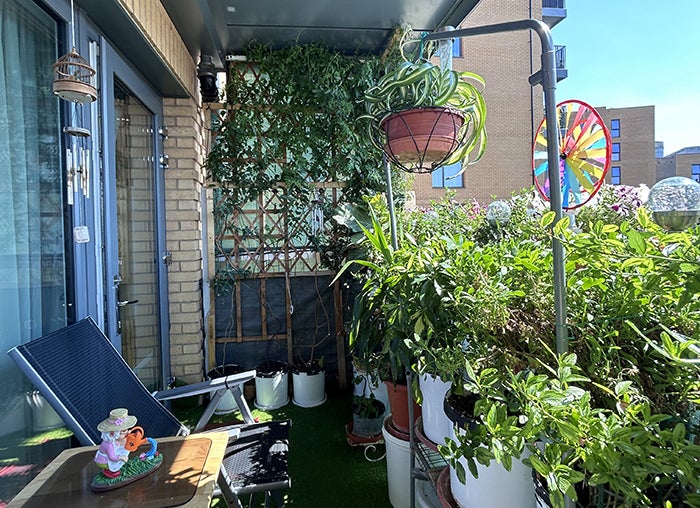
74,79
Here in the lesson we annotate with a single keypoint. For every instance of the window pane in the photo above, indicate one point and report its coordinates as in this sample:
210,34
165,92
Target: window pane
451,178
615,151
457,47
437,179
615,175
615,128
32,236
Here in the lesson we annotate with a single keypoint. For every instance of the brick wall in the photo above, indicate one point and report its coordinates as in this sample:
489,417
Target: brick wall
153,21
184,180
636,140
513,106
186,147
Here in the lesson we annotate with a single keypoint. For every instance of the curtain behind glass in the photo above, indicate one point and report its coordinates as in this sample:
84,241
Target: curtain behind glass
32,249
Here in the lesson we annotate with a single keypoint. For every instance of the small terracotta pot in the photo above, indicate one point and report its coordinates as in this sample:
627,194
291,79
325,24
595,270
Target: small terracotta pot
398,402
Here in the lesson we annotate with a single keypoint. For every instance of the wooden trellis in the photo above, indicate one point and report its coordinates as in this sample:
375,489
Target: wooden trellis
261,244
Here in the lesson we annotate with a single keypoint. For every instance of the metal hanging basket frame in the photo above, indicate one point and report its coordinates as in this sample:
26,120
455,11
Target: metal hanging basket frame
424,139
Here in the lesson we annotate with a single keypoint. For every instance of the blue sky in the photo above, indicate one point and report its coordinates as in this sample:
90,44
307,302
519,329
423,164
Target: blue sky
622,53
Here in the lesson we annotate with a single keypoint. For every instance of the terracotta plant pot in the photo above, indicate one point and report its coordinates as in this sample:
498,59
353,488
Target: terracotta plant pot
421,139
398,402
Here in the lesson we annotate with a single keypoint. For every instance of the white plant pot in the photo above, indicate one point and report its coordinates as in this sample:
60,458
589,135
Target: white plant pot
227,404
43,415
272,391
436,425
495,487
371,385
398,468
309,389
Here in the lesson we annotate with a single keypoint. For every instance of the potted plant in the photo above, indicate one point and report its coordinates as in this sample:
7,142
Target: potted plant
422,116
613,419
309,383
367,411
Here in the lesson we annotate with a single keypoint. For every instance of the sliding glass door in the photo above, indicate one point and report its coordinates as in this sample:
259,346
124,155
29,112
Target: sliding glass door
34,253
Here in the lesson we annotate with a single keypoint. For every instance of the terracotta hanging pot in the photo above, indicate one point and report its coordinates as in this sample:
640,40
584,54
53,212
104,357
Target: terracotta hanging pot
421,140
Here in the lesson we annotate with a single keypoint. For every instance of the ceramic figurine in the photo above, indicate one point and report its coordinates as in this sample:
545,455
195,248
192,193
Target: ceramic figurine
119,438
112,454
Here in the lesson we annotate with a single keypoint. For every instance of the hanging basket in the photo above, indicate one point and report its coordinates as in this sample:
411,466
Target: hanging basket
422,140
74,79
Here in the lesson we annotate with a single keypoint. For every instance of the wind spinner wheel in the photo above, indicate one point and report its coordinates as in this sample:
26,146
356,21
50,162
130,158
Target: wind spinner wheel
584,154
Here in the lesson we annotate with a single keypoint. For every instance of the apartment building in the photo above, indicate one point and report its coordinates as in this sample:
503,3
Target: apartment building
632,145
515,109
684,162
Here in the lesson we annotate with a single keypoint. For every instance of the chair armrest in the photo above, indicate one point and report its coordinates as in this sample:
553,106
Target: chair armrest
217,388
214,385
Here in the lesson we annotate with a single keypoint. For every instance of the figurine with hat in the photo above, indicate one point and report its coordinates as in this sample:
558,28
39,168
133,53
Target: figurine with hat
119,437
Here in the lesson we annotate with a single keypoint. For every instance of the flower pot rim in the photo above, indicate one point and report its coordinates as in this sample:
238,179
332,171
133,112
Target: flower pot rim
436,109
271,368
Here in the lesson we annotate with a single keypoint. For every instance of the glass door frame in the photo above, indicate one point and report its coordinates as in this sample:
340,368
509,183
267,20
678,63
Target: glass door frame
114,66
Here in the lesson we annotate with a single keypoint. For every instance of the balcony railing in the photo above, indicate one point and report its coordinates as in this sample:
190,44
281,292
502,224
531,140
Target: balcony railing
553,11
560,57
553,4
560,62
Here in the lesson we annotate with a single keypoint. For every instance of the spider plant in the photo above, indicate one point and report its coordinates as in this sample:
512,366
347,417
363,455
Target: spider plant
415,83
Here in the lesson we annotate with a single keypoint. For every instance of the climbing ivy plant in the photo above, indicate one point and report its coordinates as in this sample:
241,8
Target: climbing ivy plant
290,124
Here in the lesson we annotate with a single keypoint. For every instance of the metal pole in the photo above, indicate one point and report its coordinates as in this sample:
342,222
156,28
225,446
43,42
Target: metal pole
390,203
395,245
546,76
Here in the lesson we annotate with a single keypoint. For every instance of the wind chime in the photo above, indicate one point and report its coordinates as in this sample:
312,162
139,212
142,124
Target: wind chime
74,81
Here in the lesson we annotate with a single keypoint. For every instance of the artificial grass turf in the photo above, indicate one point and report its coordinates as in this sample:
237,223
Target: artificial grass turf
326,471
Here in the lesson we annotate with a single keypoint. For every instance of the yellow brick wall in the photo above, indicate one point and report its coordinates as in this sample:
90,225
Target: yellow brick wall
184,180
637,150
153,21
186,147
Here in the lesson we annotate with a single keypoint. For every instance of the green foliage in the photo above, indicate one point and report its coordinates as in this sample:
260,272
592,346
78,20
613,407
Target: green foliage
415,82
619,411
367,407
291,123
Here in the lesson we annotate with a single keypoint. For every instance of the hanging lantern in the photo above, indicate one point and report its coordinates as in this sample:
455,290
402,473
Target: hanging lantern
73,79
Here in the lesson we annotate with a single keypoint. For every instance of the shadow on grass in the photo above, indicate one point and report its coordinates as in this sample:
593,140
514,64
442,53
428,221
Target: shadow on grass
326,471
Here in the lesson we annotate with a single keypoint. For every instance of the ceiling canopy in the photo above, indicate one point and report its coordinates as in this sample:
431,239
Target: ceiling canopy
227,27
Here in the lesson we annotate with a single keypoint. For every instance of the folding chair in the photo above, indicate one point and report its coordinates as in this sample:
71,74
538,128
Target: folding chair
83,377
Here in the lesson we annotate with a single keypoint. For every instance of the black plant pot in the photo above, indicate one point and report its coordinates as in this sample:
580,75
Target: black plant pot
460,409
370,423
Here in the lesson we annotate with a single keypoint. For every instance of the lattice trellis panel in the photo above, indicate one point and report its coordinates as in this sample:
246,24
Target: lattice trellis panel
263,238
269,227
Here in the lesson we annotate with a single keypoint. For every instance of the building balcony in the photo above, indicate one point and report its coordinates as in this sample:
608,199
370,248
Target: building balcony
560,62
553,11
